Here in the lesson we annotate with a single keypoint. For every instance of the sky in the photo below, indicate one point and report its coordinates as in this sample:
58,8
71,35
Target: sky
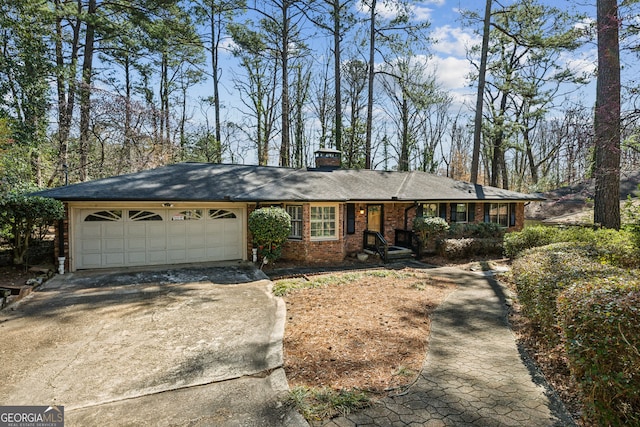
448,56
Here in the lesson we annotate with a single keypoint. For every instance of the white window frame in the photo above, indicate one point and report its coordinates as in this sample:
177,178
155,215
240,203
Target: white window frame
324,220
466,213
497,216
296,222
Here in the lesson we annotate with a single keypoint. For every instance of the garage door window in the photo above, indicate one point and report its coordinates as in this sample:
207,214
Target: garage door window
220,214
104,216
144,216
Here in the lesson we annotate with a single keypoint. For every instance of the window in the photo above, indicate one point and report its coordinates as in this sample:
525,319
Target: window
323,222
220,214
459,212
295,212
499,213
430,210
144,216
104,216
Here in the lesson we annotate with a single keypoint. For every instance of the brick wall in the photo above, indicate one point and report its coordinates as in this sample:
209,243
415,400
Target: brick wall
331,251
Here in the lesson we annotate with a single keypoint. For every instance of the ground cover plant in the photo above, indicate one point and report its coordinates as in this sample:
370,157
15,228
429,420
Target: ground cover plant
354,336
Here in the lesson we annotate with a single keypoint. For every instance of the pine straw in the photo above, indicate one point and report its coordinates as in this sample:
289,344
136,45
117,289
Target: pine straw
370,333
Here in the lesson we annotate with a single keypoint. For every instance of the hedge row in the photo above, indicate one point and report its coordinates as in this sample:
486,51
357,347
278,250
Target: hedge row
600,321
540,274
607,246
577,293
466,248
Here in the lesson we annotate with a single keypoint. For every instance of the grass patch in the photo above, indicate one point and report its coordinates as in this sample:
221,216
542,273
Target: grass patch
404,372
285,286
323,403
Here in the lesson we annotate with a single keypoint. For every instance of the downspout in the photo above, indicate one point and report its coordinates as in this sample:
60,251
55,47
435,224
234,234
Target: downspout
61,254
406,214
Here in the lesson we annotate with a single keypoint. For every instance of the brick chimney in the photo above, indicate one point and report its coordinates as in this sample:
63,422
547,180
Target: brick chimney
328,158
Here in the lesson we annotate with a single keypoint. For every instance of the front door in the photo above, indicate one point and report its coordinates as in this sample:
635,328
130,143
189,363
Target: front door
375,218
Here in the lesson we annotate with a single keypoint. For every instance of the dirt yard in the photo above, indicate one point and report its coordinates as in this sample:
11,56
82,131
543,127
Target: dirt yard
367,331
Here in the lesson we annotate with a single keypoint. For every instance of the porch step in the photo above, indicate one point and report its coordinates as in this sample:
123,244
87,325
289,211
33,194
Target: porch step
393,252
397,252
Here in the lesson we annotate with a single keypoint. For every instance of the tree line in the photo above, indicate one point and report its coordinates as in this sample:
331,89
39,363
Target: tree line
93,88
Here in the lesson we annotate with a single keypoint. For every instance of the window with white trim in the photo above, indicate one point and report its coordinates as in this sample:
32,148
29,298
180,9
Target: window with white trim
461,212
295,212
323,223
499,213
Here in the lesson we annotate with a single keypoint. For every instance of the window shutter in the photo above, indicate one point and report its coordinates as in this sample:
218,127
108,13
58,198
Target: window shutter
420,210
487,208
351,218
512,214
453,212
471,213
443,210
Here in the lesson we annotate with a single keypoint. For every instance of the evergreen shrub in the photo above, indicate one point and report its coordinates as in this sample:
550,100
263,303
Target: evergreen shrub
540,274
270,228
600,322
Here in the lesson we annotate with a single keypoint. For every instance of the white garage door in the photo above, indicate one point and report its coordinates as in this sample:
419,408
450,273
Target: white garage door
134,237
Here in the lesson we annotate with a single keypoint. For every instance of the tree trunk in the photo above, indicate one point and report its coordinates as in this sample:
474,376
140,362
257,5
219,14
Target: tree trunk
66,97
285,136
215,40
403,164
477,132
371,75
85,92
607,118
128,137
337,65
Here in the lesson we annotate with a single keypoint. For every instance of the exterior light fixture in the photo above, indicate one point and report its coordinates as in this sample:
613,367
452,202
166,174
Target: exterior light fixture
167,205
361,211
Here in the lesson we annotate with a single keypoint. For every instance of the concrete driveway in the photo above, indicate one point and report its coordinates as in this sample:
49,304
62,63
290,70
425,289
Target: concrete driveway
197,345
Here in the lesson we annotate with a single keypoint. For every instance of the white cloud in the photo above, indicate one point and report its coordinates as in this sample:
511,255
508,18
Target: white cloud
582,62
421,12
389,9
453,40
451,72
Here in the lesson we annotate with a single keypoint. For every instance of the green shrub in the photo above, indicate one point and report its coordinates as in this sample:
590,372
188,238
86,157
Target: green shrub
270,228
540,274
481,230
21,215
600,321
465,248
529,237
430,229
608,246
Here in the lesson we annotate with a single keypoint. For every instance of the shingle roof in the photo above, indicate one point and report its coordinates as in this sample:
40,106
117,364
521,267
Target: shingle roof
221,182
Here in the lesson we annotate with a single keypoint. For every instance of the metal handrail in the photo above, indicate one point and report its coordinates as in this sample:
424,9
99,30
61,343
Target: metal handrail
379,243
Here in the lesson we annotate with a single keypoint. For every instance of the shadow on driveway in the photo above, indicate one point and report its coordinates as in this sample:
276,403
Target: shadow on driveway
103,343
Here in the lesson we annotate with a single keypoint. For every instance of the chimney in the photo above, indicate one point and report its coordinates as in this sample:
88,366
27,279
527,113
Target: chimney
328,159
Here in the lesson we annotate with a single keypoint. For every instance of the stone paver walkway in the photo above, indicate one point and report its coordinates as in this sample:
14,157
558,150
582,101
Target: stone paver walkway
473,374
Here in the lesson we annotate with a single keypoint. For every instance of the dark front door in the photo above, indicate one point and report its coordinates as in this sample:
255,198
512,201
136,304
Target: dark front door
375,218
